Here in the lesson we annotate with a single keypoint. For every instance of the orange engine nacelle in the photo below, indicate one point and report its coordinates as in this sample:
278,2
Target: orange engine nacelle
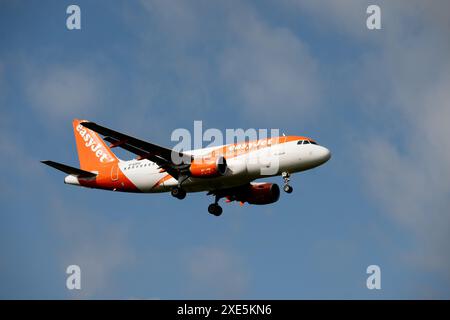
208,167
262,193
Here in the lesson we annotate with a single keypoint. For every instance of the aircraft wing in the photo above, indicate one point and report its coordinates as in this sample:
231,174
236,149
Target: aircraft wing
145,150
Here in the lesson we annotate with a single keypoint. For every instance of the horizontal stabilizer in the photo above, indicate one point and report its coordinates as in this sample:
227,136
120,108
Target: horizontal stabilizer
69,170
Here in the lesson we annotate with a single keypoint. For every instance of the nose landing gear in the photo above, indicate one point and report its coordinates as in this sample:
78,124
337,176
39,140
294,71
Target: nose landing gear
287,188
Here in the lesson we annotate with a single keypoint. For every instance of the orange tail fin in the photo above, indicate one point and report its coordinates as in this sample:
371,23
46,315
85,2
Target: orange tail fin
93,153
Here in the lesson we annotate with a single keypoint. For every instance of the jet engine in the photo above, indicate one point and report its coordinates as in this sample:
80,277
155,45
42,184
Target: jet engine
208,167
256,193
262,193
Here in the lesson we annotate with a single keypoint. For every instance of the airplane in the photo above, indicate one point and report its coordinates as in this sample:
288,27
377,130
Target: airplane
223,171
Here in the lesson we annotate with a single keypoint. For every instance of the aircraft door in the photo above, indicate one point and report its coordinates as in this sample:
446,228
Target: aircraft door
114,172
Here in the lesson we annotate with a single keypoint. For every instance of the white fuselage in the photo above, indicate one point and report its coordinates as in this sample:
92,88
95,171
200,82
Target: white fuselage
270,161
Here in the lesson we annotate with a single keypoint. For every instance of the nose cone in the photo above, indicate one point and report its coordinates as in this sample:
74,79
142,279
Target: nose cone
323,155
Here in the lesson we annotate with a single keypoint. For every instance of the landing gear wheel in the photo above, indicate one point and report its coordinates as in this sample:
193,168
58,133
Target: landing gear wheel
215,209
288,189
178,193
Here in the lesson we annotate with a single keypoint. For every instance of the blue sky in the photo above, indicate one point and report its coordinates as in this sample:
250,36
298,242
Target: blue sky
379,100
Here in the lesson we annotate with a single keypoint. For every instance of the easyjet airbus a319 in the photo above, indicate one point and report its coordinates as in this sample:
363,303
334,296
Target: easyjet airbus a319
226,171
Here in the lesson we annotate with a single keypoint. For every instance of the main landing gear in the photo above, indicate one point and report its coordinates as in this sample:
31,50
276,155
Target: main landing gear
214,208
178,193
287,188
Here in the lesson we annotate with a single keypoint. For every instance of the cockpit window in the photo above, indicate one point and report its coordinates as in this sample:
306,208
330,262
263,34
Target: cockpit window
306,142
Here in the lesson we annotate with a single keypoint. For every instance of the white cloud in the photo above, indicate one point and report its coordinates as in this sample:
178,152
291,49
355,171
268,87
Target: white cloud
407,167
401,83
265,71
98,246
270,70
16,163
178,19
215,272
347,17
63,91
